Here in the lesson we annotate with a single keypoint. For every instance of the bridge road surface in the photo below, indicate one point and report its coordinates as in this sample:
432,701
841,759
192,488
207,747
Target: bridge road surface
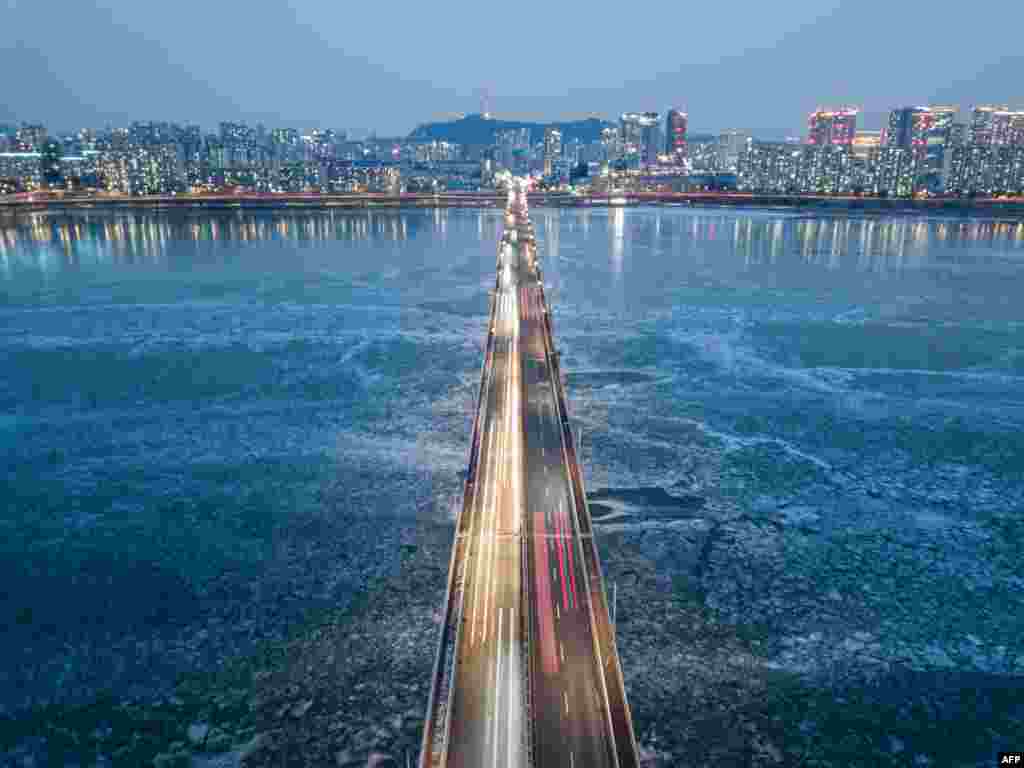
487,718
534,679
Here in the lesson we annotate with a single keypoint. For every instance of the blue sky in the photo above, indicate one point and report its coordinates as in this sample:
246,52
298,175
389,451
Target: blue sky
365,66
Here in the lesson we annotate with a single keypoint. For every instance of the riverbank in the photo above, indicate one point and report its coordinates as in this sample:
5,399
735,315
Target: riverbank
812,204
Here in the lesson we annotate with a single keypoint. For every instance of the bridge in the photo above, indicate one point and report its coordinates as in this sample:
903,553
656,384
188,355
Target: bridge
527,671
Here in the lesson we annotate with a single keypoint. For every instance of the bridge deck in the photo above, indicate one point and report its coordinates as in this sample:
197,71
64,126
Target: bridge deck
527,673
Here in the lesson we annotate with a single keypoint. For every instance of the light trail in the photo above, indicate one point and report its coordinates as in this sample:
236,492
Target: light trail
524,529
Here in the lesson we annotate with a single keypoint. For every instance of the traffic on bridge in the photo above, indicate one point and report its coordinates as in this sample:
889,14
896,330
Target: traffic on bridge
527,673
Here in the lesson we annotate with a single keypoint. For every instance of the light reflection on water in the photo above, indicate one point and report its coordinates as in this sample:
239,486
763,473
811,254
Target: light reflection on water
145,233
753,227
48,244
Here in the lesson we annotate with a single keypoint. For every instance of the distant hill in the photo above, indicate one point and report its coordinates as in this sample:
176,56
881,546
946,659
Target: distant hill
476,129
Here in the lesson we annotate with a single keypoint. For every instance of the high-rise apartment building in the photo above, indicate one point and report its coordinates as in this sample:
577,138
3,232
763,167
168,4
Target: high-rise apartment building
285,145
784,167
996,126
832,127
895,172
86,139
238,134
827,169
986,124
769,166
675,135
192,142
1016,129
926,133
30,138
931,136
151,133
958,134
320,145
730,145
979,169
932,126
865,143
900,130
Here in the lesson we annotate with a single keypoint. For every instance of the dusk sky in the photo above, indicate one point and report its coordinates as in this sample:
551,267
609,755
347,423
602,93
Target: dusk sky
386,67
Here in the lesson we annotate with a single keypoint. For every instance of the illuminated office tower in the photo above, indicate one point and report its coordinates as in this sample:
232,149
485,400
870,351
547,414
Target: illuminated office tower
552,149
640,136
675,135
832,127
611,142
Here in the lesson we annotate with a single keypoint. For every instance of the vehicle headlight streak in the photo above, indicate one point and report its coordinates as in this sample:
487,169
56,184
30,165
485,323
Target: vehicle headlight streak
530,620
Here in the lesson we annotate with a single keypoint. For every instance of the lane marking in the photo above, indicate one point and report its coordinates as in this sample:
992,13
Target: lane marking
569,547
513,687
480,524
490,525
483,548
497,691
561,563
565,700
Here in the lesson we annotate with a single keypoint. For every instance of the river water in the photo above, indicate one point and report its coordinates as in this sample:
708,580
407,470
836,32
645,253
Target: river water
212,424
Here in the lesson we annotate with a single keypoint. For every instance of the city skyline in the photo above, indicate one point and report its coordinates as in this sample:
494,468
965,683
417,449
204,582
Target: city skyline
962,114
301,64
923,150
